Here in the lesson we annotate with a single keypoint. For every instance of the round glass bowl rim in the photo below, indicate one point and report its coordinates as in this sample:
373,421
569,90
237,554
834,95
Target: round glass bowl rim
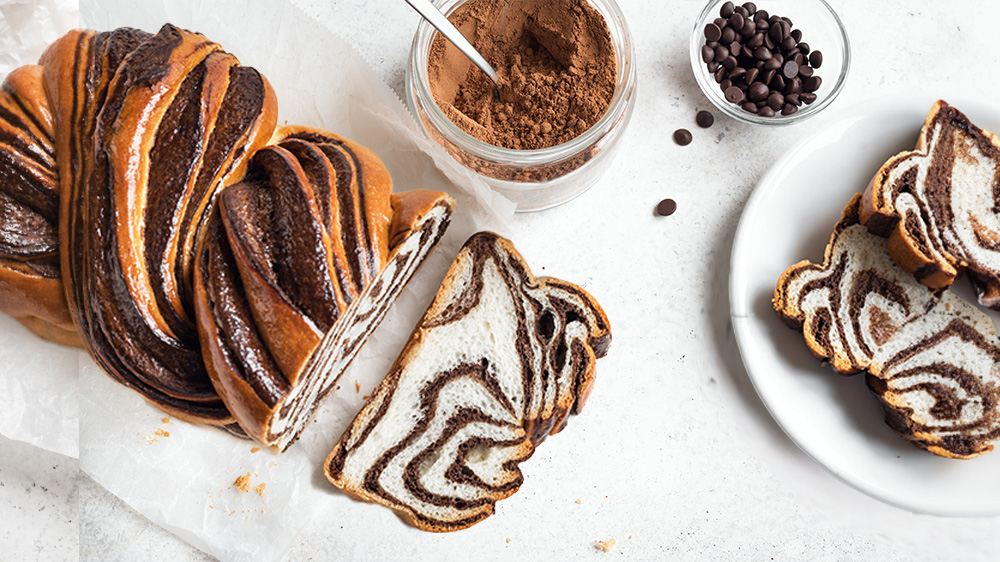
623,96
706,82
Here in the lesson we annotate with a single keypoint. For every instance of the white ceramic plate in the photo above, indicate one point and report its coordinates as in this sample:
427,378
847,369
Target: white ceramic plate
835,419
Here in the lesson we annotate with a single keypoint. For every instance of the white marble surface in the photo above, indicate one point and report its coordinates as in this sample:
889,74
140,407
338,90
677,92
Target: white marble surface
706,474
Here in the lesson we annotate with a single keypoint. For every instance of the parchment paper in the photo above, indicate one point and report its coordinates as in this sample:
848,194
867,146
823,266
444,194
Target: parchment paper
182,476
38,390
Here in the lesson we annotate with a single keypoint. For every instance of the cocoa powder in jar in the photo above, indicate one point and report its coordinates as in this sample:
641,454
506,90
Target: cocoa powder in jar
556,62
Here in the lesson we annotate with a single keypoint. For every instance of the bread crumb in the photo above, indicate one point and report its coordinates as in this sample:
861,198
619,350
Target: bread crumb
366,396
260,489
162,433
254,449
357,386
508,539
606,546
578,501
242,483
165,420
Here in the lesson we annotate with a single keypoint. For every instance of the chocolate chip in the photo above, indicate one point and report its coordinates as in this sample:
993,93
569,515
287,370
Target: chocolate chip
737,72
721,22
761,15
728,35
735,49
768,76
773,63
727,9
713,66
666,207
707,53
734,94
796,34
720,75
812,84
712,32
729,63
806,71
736,21
748,28
778,83
793,99
756,41
803,48
766,111
788,109
751,75
750,7
721,52
816,59
741,11
775,100
704,119
758,91
682,137
808,97
791,69
750,107
762,53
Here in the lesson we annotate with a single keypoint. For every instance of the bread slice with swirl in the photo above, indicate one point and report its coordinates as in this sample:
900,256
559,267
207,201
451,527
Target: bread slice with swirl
937,204
938,379
498,362
852,303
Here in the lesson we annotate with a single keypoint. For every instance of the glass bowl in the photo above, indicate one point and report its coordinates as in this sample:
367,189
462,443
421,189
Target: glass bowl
533,179
821,29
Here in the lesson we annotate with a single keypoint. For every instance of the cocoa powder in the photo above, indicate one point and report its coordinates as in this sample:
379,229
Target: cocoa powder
557,67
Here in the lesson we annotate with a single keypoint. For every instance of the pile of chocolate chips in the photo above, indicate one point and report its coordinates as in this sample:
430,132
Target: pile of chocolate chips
759,61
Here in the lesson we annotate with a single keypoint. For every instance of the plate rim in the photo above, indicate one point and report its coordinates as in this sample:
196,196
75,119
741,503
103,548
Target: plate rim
742,318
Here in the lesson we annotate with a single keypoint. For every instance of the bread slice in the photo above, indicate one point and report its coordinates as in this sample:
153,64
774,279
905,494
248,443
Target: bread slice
852,303
498,362
938,379
937,204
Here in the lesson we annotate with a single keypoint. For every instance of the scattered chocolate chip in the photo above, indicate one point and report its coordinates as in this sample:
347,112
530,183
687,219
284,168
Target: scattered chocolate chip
704,119
682,137
666,207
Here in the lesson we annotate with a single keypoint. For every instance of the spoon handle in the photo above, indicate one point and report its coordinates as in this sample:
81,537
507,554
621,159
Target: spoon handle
430,13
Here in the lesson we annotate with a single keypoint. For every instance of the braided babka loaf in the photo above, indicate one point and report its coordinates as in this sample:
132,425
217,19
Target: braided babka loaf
852,303
938,379
121,161
498,362
933,361
937,204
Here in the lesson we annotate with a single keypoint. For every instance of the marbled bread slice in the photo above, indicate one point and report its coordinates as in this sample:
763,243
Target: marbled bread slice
854,301
937,204
938,379
498,362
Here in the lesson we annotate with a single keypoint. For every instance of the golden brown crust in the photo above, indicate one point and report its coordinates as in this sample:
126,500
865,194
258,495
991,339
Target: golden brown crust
51,332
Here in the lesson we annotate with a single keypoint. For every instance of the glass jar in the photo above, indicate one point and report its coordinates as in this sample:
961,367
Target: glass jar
532,179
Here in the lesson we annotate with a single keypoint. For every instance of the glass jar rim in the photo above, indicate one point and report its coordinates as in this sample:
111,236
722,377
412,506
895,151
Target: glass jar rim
417,78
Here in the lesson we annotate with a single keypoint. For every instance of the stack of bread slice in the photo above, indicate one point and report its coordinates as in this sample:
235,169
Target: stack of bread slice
932,359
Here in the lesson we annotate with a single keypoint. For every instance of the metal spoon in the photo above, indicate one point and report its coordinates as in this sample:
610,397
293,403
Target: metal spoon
451,33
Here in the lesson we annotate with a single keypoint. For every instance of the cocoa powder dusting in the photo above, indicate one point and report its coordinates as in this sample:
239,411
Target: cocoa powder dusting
557,67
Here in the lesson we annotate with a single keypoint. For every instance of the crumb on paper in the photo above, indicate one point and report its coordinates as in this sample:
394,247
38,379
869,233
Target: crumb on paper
357,386
165,420
254,449
260,489
578,501
242,483
162,432
508,539
606,546
366,397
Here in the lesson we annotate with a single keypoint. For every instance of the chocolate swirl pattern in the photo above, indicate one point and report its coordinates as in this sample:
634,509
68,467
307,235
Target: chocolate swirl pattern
30,284
939,380
937,204
499,361
293,246
854,302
